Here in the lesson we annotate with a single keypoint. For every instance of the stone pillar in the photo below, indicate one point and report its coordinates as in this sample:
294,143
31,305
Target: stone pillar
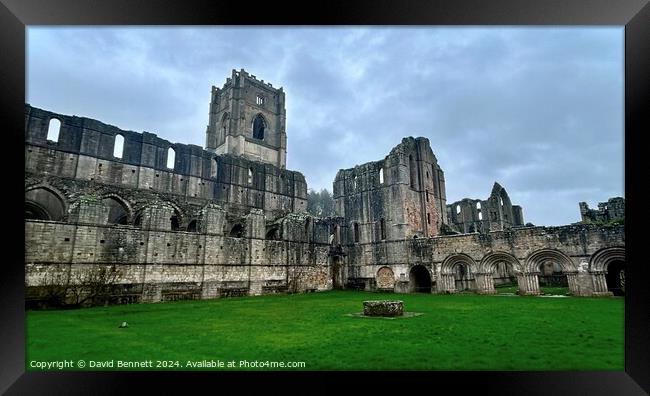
447,283
157,217
484,283
89,210
528,284
574,286
213,219
256,224
599,284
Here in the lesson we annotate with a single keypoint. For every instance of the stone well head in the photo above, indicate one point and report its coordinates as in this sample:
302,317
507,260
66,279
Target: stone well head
383,308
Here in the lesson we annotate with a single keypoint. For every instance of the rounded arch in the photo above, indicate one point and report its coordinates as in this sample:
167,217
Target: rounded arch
420,279
538,257
125,206
44,202
605,256
489,262
385,278
54,125
259,125
450,262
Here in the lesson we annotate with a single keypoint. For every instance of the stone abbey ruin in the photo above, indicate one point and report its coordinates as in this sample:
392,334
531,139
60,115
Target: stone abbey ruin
130,217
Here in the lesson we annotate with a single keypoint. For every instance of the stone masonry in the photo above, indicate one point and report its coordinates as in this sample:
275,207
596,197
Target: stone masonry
182,222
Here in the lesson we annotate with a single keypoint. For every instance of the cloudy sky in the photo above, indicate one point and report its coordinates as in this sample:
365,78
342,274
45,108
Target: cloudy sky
540,110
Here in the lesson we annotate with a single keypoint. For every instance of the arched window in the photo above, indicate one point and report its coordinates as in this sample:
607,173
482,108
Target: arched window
428,218
412,171
117,213
171,158
53,130
224,124
259,125
43,204
237,231
356,231
175,224
307,228
457,209
250,176
478,205
382,228
191,227
381,176
480,216
213,168
118,149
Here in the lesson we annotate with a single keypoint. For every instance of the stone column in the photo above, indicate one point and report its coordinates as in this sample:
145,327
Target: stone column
599,284
484,283
528,284
574,286
213,219
446,284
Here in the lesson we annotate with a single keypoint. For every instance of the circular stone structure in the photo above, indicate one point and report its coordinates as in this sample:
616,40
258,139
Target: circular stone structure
383,308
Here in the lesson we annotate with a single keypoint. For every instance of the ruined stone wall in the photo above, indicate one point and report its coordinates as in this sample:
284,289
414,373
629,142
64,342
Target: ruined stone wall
401,196
158,264
493,214
612,210
84,153
524,249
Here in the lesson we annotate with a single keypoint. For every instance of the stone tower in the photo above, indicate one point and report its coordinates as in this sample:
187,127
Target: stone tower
400,197
247,118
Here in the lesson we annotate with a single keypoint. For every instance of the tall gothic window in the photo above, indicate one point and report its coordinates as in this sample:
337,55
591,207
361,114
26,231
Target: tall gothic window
258,127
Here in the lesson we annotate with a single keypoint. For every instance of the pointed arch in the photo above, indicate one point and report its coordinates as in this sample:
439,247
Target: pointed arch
214,167
259,126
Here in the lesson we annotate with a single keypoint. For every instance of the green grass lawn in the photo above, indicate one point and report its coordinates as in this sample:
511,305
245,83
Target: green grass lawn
455,332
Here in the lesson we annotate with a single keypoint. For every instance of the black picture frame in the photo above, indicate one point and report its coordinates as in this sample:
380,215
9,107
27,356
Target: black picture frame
15,15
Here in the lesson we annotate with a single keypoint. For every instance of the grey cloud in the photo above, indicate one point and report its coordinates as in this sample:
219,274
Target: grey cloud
538,109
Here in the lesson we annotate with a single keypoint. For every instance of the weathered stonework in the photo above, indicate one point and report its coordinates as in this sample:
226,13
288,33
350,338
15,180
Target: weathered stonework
229,223
383,308
610,211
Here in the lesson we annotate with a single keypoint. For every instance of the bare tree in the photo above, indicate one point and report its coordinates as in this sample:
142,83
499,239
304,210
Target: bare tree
94,286
90,286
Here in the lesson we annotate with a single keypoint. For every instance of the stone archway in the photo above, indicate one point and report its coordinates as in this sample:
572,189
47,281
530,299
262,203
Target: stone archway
498,269
457,272
615,277
385,279
556,264
607,268
419,280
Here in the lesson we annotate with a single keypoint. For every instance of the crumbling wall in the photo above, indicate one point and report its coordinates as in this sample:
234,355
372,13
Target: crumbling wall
493,214
610,211
84,152
401,196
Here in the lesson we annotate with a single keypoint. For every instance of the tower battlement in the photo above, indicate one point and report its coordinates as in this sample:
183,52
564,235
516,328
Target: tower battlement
247,118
